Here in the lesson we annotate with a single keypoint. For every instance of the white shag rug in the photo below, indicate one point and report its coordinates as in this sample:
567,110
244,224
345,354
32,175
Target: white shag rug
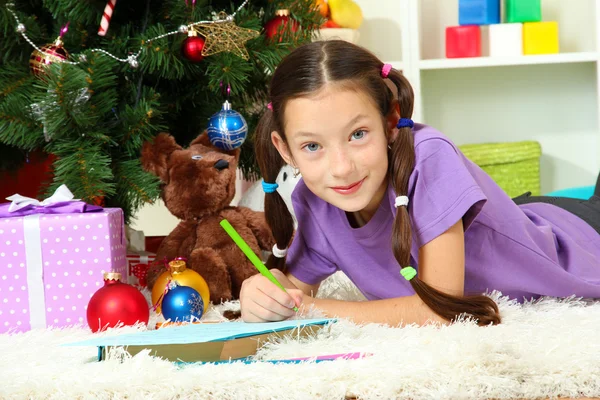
545,349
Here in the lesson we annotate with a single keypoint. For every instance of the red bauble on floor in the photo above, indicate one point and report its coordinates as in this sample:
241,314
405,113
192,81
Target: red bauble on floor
116,303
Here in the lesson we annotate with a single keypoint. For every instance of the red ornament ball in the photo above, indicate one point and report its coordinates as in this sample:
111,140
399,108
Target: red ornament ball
116,303
279,24
192,48
50,53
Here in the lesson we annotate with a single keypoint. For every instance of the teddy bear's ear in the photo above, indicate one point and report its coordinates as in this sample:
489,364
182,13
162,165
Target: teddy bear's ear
205,141
156,153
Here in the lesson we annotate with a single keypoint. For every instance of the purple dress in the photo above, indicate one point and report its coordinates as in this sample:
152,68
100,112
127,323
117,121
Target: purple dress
522,251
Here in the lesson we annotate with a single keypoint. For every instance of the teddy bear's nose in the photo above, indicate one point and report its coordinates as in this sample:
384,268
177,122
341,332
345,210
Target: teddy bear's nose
221,164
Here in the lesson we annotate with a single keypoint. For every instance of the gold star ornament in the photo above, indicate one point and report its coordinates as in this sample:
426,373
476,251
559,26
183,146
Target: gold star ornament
225,35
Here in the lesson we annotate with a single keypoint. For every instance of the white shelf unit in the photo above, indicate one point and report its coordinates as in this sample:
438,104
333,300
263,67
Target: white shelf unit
508,61
553,99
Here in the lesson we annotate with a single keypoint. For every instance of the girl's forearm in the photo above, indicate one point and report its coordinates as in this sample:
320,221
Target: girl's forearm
401,310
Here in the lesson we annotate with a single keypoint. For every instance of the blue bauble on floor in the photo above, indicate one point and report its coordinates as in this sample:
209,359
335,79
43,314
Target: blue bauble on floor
181,303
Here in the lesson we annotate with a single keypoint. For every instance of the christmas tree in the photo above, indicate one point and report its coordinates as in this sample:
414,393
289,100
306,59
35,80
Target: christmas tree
89,82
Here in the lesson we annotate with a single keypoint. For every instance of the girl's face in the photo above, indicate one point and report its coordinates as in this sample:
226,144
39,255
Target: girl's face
338,141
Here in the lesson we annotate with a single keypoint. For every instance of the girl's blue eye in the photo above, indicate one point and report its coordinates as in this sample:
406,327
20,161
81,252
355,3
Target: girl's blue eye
358,134
312,147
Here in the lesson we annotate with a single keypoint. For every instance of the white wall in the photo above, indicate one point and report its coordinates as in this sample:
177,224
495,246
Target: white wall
381,31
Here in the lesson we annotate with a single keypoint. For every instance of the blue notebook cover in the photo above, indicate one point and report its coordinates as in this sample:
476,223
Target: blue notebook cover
199,333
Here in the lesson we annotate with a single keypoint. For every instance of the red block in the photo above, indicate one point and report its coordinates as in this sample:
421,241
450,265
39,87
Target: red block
463,41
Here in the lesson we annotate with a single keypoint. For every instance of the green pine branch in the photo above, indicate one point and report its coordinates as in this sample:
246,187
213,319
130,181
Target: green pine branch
134,187
13,47
84,12
84,167
141,123
18,126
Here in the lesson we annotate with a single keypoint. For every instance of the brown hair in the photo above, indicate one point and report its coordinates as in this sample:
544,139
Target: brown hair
301,74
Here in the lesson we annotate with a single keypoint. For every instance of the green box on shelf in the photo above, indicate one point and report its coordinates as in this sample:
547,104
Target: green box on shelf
514,166
523,11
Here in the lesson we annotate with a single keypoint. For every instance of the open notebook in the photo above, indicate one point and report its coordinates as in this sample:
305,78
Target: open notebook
208,342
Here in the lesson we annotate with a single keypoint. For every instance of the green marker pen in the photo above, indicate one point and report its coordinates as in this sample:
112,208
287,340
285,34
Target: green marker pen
241,243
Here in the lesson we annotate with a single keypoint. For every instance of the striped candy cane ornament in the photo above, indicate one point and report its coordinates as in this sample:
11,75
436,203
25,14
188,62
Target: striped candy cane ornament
108,10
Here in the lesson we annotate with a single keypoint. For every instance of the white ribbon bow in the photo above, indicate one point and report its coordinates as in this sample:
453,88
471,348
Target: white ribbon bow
61,194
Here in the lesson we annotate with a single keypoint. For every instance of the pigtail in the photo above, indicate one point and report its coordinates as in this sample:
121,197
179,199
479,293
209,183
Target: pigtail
402,160
277,214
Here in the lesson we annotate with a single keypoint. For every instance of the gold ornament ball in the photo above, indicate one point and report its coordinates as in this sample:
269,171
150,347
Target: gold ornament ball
184,276
50,53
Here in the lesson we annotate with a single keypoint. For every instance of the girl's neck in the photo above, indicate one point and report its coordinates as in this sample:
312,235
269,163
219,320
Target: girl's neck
362,217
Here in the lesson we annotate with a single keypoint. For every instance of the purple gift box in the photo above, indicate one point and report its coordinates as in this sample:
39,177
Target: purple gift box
52,260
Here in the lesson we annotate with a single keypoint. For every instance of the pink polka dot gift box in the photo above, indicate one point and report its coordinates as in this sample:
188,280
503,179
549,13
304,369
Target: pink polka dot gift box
53,254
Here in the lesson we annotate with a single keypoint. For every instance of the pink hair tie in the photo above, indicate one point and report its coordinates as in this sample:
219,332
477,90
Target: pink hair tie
270,106
385,70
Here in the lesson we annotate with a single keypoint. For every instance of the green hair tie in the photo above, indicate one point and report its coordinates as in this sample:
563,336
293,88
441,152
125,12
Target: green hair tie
408,272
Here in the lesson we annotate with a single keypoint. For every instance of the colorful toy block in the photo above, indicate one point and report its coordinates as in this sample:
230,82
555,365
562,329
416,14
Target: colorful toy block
478,12
463,41
505,40
540,37
523,11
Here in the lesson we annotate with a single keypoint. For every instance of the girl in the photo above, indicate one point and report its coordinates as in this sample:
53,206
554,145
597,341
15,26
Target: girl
420,230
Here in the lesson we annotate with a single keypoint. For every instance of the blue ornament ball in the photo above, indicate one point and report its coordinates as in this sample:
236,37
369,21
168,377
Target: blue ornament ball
227,129
181,303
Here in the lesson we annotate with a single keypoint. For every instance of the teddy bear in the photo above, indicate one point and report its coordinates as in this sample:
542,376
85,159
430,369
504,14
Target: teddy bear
198,186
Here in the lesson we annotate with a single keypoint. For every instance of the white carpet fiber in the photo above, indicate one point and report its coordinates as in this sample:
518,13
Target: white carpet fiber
542,350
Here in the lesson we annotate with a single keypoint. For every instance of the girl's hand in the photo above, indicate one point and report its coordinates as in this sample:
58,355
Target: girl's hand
263,301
